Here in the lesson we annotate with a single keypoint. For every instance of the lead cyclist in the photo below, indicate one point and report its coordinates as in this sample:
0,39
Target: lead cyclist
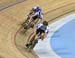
36,15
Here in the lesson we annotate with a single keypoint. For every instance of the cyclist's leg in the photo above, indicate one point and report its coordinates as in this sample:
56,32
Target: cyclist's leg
31,12
28,22
31,16
37,21
43,35
33,21
30,43
35,41
31,39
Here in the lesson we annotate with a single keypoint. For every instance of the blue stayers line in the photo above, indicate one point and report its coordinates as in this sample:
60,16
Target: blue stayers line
64,45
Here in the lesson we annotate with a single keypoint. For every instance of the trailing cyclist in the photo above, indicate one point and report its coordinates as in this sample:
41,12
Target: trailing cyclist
41,31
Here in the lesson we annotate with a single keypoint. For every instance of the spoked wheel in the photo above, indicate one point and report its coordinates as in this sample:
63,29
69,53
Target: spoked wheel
33,44
25,22
27,25
24,27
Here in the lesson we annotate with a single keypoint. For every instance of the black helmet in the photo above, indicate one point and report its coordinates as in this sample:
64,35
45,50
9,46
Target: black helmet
45,23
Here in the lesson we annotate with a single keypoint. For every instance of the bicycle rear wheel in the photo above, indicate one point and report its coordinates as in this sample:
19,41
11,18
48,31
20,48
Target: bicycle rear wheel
26,21
34,44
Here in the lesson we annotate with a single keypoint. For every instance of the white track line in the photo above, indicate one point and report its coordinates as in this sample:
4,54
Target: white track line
43,48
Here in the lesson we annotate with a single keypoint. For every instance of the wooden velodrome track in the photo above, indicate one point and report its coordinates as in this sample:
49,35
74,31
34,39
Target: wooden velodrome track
11,41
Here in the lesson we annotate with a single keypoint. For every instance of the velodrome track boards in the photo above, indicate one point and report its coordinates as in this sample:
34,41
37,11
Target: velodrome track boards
12,16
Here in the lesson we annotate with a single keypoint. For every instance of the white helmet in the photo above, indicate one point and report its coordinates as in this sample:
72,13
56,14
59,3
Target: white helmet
34,8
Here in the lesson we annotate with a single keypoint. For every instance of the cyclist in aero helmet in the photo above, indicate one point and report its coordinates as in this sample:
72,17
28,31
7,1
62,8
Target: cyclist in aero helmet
37,14
41,31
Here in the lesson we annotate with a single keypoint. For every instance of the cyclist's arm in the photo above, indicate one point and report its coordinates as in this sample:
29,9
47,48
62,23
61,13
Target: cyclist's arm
37,21
46,33
43,35
31,12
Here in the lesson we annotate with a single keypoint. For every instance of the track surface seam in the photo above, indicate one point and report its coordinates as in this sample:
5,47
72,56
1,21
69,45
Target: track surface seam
12,5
